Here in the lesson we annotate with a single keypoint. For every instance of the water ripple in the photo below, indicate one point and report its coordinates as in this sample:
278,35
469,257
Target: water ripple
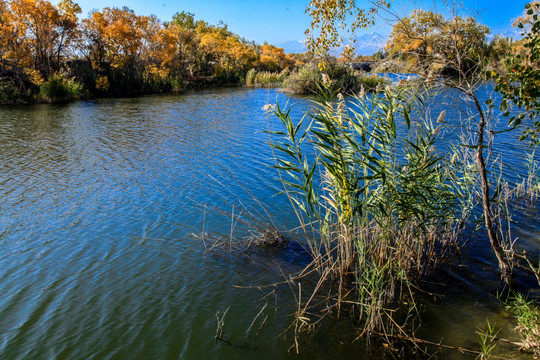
99,201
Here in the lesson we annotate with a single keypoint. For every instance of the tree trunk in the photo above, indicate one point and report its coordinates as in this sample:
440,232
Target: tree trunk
504,264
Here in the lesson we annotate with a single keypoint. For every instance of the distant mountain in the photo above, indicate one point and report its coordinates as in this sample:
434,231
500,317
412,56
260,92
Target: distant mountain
366,44
370,43
511,34
293,46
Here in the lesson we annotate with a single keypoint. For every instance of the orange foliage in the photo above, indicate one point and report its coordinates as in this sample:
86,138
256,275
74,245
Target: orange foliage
274,59
37,37
114,35
36,34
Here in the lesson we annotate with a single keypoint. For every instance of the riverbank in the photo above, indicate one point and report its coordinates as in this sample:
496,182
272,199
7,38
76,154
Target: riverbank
64,90
303,81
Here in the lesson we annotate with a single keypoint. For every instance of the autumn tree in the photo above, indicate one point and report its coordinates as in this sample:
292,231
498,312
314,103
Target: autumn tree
180,43
520,87
14,53
332,21
124,49
414,38
432,44
272,58
14,49
48,30
68,29
224,54
120,48
113,36
36,37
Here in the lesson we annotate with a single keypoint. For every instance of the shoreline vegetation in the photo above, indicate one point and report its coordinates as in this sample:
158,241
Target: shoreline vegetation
47,54
377,216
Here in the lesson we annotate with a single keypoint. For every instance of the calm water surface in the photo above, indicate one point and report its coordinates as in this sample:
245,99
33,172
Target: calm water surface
100,204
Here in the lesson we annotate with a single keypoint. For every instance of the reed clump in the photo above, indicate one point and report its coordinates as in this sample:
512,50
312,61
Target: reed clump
265,79
376,203
530,186
527,314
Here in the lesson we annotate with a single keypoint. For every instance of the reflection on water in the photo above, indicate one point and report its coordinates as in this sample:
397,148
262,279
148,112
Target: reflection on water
99,203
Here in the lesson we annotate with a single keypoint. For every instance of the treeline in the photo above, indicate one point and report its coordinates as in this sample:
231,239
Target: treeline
46,52
423,43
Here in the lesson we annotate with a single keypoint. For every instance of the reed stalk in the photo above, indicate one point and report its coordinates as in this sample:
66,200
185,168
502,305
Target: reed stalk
377,202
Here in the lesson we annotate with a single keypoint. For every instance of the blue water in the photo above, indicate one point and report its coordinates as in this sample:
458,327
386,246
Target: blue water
103,206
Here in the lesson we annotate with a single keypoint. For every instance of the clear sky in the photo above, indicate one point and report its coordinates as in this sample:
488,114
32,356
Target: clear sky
279,21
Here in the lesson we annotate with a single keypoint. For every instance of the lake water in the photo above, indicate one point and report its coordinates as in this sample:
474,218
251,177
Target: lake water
102,206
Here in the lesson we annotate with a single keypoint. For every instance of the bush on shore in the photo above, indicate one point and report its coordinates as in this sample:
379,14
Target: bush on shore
342,78
9,92
266,79
58,88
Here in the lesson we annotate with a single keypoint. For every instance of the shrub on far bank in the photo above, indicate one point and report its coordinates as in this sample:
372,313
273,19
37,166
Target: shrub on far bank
9,92
265,78
304,80
343,78
58,88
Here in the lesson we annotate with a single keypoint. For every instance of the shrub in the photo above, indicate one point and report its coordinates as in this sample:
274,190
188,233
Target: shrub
342,78
59,88
304,81
8,91
176,82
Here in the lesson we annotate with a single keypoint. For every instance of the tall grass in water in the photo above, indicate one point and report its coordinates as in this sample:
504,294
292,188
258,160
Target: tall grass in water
527,314
377,210
265,78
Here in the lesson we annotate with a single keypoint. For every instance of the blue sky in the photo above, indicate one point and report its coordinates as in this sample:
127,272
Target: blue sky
279,21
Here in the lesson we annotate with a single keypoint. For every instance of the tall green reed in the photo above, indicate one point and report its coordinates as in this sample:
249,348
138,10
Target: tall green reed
376,202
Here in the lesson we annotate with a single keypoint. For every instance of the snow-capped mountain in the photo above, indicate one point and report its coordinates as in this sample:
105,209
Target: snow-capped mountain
511,34
370,43
293,46
366,44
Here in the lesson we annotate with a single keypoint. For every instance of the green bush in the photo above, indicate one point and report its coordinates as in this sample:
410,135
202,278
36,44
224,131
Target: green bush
8,91
265,78
304,81
176,82
342,78
59,88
